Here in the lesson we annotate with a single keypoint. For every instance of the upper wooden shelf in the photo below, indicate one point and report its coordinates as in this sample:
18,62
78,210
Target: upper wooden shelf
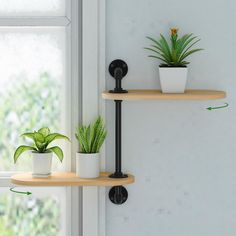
69,179
158,95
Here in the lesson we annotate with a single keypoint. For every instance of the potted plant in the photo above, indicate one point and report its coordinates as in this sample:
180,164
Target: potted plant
41,152
172,54
90,139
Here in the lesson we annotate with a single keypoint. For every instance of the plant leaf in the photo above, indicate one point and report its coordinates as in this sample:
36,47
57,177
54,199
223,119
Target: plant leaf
99,133
158,58
41,146
38,137
28,135
55,136
187,49
101,141
182,43
20,150
161,47
190,52
45,131
159,53
57,151
166,45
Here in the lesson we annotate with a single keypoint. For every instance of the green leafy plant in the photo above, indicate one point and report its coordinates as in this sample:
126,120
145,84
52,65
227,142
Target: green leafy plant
173,53
91,137
42,138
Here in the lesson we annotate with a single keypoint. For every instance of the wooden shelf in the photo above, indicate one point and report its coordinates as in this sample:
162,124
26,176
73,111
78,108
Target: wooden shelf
69,179
158,95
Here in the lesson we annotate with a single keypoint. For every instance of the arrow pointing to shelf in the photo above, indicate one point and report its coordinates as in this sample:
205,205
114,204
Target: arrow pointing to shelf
19,192
215,108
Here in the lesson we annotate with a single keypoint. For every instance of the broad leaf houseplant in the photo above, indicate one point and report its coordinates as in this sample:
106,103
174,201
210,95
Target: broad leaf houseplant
90,140
173,54
41,151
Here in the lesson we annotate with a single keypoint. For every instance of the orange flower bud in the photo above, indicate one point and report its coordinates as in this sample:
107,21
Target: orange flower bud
174,31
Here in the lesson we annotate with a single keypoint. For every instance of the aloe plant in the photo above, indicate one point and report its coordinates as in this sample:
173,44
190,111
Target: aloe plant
41,140
91,137
173,53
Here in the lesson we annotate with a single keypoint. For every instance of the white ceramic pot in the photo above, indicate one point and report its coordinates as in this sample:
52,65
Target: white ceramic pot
42,163
173,79
87,165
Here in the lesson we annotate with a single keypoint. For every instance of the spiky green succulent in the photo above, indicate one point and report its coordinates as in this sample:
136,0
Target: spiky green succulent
91,137
174,52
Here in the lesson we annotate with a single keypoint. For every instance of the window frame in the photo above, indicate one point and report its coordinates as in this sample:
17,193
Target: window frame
72,51
87,17
72,21
94,74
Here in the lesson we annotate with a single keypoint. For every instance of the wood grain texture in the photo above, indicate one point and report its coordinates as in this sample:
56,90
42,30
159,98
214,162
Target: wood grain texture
69,179
158,95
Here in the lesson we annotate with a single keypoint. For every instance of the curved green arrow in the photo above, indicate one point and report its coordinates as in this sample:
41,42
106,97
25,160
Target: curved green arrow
19,192
214,108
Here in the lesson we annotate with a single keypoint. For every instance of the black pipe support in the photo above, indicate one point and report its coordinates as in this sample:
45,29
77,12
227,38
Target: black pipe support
118,69
118,195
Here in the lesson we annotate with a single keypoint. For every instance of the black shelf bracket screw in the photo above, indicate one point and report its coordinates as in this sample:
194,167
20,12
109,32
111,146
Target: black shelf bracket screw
118,69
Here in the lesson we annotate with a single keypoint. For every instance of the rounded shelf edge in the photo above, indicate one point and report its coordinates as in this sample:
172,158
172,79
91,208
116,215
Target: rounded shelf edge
194,94
69,179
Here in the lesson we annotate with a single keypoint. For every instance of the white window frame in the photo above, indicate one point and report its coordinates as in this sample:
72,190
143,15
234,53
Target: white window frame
94,72
87,205
72,20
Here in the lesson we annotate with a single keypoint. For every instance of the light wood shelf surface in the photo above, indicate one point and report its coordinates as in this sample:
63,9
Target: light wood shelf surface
158,95
69,179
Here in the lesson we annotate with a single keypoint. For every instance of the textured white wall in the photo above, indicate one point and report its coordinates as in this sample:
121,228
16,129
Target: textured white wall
183,156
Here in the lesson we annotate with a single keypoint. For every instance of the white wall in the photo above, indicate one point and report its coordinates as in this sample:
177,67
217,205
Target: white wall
183,156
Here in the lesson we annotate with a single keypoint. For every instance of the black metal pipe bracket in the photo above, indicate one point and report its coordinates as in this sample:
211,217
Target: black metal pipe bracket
118,69
118,195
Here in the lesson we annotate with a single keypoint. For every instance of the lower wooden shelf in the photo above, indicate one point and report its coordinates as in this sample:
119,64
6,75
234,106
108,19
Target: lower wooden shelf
69,179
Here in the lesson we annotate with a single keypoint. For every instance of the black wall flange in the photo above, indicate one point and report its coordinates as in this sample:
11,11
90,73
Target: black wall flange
118,69
118,195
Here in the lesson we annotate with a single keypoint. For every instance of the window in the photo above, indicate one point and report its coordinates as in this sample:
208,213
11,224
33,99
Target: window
32,82
42,213
32,7
37,40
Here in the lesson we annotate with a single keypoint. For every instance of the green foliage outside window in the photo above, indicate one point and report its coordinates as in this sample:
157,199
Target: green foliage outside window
26,105
29,216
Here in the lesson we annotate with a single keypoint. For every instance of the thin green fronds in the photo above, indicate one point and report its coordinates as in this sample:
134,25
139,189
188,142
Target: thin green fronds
174,51
188,48
190,52
91,137
152,56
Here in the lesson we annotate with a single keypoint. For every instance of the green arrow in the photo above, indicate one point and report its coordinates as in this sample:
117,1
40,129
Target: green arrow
14,191
214,108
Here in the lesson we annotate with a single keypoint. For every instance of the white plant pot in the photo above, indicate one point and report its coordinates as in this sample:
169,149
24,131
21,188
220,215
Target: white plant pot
87,165
173,79
42,163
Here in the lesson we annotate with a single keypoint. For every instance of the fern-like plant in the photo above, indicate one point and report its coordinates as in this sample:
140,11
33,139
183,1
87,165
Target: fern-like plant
41,140
173,52
91,137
